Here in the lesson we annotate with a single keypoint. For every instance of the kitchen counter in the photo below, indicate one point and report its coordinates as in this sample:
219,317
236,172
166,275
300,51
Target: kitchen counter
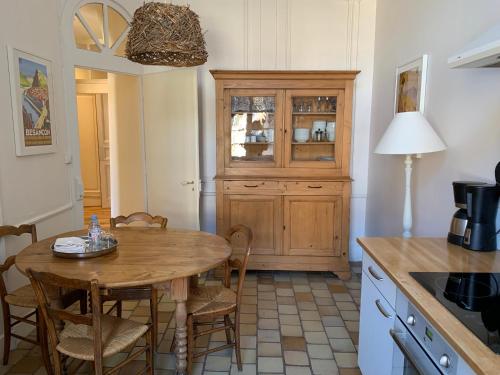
398,256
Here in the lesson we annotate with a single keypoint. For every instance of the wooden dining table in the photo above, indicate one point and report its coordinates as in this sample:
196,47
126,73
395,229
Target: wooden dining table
144,256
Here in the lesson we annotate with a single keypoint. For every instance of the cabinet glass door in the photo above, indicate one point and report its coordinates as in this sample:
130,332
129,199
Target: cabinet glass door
254,128
313,134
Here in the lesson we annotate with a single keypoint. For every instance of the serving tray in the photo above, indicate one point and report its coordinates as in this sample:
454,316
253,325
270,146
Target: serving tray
105,247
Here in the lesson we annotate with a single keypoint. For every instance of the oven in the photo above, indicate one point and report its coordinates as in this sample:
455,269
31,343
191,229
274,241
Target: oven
418,348
409,356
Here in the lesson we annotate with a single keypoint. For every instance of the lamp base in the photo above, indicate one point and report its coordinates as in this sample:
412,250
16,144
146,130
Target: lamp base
407,214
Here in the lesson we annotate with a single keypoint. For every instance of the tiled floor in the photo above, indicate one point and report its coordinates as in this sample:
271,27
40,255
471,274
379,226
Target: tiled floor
293,323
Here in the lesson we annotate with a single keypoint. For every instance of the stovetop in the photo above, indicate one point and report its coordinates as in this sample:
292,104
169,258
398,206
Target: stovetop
473,298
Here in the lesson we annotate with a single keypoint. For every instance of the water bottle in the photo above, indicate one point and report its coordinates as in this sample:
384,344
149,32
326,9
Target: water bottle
94,231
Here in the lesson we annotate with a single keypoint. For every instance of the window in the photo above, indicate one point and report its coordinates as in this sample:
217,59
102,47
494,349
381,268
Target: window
99,27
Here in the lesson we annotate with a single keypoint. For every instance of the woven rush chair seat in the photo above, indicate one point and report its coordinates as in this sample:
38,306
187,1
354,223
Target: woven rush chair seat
88,337
23,296
209,299
77,341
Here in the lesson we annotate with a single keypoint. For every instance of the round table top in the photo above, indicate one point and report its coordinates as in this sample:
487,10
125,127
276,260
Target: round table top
144,256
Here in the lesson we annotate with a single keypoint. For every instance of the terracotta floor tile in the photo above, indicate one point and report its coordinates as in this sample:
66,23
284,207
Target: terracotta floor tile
293,343
304,297
248,318
337,288
350,371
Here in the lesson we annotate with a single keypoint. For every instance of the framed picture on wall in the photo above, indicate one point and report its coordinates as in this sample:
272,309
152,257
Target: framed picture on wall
410,86
32,93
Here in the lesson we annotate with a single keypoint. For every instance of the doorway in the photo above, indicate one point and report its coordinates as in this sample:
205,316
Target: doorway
110,140
152,117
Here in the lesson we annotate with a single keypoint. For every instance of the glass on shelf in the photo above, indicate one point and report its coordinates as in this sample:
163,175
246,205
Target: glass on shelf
252,128
313,128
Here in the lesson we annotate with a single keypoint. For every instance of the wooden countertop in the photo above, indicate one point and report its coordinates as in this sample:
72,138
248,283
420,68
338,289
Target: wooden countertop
398,256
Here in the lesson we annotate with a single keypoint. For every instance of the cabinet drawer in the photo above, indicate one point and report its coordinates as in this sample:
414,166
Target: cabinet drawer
314,188
380,279
253,187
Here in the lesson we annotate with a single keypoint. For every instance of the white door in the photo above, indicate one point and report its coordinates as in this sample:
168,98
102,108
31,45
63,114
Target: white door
171,144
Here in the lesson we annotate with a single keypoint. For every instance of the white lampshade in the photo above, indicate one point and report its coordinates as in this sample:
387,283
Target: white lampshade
409,133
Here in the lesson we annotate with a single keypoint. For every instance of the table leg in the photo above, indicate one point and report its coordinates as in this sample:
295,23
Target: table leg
179,293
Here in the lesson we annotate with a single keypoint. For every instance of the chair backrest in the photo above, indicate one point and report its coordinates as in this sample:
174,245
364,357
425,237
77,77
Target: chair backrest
247,233
138,217
9,230
53,312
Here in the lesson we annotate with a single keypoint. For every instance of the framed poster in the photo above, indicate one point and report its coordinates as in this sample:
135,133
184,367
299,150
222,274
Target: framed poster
32,93
410,86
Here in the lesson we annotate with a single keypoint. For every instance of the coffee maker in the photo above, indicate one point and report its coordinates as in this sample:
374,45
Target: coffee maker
482,205
459,219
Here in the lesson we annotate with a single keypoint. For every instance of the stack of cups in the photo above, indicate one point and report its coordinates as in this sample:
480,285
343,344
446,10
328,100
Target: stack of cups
330,131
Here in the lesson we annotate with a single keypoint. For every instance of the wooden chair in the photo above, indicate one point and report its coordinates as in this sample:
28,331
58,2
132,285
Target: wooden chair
22,297
138,217
212,305
138,293
87,337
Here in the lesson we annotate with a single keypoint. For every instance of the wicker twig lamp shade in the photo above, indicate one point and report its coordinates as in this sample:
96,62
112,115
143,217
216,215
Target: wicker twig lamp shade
166,34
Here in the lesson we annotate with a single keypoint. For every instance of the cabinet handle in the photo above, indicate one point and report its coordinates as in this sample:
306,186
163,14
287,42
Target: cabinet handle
314,187
374,274
382,310
251,186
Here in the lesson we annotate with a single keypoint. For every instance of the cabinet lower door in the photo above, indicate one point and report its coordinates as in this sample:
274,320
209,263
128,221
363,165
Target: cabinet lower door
376,348
312,225
261,213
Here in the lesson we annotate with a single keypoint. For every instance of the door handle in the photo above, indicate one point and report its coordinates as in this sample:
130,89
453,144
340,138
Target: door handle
406,353
382,310
374,274
184,183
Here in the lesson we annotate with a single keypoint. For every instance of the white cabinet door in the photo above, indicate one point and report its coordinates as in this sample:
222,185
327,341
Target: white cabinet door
375,343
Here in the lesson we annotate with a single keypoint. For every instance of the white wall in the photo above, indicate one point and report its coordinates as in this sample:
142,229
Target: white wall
461,104
32,188
288,34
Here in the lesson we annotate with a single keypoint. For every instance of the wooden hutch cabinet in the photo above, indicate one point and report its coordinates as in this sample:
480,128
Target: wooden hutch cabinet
283,162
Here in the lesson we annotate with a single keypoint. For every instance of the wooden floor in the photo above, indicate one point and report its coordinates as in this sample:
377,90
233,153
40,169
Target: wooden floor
103,214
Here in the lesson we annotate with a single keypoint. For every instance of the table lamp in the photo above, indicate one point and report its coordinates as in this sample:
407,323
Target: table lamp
409,133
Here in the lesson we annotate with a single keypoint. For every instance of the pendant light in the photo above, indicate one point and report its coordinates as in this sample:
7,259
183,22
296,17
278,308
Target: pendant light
166,34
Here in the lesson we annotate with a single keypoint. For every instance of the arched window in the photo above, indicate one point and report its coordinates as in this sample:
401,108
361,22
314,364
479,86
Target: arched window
99,27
